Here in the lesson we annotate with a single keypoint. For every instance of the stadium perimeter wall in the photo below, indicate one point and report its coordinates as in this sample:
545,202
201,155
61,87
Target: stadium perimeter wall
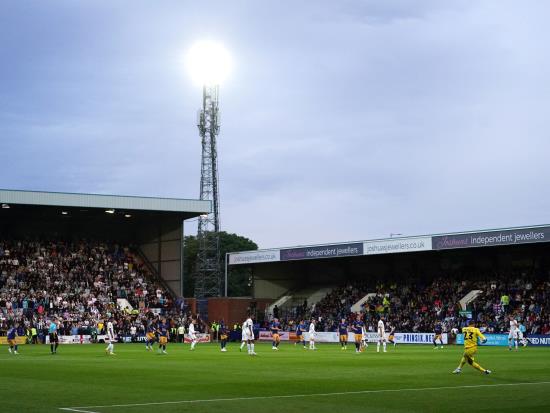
234,310
231,310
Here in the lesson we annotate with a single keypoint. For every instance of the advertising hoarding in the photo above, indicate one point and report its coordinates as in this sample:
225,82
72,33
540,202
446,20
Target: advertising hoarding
325,251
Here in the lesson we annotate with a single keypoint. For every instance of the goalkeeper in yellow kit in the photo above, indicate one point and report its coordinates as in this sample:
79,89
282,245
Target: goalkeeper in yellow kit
471,335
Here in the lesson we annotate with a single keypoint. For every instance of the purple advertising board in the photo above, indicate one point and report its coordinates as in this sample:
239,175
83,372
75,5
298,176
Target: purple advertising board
491,238
325,251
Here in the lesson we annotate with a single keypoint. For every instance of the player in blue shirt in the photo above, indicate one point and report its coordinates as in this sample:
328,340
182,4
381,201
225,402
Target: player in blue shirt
358,332
275,330
12,334
438,332
343,333
300,329
163,330
54,338
224,335
150,337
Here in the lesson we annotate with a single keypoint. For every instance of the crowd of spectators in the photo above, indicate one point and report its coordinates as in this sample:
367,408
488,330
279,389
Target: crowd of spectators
416,305
79,284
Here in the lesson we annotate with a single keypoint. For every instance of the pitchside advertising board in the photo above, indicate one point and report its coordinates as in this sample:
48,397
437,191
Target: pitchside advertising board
492,339
396,245
502,340
86,339
333,337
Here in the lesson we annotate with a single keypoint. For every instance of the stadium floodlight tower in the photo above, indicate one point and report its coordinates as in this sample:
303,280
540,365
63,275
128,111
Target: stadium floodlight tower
209,64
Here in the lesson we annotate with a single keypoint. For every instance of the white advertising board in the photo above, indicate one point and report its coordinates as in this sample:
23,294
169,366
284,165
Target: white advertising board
397,245
254,257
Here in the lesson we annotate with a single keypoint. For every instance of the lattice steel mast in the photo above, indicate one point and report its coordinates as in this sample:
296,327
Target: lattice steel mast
208,281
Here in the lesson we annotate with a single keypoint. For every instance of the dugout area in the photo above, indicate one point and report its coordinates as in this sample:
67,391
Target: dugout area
154,227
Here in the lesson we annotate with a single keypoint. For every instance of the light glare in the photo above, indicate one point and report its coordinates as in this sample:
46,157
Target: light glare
208,63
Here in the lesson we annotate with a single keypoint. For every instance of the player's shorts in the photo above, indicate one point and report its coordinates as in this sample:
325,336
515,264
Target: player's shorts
391,337
276,337
163,340
382,337
343,337
223,336
54,338
470,353
244,336
358,337
513,334
151,336
437,337
299,336
520,335
11,342
193,337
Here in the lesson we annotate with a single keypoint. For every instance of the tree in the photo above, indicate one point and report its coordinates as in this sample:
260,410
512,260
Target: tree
239,278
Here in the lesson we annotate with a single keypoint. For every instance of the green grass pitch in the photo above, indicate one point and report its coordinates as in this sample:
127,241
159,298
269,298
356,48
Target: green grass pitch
407,379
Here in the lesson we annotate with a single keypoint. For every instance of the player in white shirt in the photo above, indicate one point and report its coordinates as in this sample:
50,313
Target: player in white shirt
192,334
381,335
364,344
312,335
110,337
244,335
513,335
248,335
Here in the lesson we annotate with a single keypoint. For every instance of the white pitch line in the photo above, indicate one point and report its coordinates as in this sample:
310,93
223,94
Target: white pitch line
290,396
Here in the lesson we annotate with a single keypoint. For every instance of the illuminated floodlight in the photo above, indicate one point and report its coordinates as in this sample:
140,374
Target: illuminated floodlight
109,211
64,213
5,206
208,63
127,216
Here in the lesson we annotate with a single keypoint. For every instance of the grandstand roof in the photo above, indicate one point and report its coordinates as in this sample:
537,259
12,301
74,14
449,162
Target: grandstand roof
187,207
480,238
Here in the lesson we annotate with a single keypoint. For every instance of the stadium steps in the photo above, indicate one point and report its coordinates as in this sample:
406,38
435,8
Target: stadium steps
357,307
154,274
296,298
279,303
122,304
468,298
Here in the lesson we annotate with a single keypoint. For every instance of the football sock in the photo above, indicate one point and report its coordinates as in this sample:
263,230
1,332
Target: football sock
377,347
242,344
462,362
252,347
384,346
51,347
477,367
249,348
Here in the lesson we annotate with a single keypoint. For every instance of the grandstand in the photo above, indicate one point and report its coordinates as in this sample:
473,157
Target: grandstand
415,281
152,226
85,258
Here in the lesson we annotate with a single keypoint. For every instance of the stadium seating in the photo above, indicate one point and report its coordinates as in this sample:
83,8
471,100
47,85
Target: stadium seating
79,282
416,306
